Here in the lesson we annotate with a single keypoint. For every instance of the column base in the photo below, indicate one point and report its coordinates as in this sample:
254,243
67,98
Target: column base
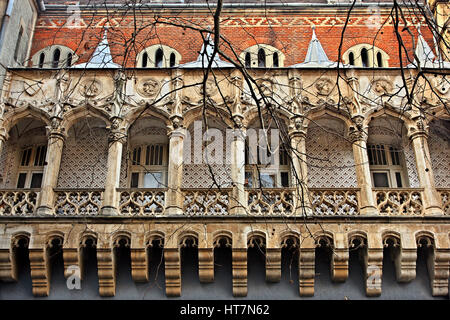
109,211
174,211
45,211
434,211
238,211
304,211
369,211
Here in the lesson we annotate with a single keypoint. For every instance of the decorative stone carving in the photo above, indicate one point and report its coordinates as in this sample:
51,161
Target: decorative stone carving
382,86
206,265
139,264
266,87
148,87
90,88
441,84
324,87
39,272
106,272
239,256
31,87
306,271
273,264
173,272
210,88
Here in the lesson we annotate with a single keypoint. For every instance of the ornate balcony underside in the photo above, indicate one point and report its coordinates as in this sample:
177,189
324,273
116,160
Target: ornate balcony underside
273,202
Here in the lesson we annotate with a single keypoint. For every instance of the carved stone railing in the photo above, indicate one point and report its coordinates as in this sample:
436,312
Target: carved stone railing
18,202
78,202
142,202
206,202
271,202
445,199
398,202
335,202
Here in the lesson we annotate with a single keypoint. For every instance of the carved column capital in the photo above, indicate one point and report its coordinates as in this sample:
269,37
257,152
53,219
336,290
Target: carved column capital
419,130
55,130
177,122
237,121
117,131
297,127
357,135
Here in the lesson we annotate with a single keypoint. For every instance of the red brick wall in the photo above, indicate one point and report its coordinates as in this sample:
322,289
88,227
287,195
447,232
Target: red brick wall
289,33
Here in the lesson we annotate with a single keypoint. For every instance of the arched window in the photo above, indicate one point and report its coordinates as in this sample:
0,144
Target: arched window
351,59
144,60
56,57
41,60
379,60
69,59
276,63
364,57
261,58
248,62
159,55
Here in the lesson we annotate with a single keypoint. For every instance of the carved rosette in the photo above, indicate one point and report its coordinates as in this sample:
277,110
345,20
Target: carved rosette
90,88
148,87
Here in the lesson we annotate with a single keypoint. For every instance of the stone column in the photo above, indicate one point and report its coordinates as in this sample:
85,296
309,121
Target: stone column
367,203
56,137
300,168
238,202
431,202
174,201
111,197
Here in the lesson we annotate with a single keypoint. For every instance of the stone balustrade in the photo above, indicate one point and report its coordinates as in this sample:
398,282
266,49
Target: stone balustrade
142,202
201,202
394,202
272,202
18,203
217,202
445,199
75,202
335,202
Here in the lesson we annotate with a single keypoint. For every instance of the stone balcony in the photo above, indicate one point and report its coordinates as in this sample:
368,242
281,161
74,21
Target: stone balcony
261,202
